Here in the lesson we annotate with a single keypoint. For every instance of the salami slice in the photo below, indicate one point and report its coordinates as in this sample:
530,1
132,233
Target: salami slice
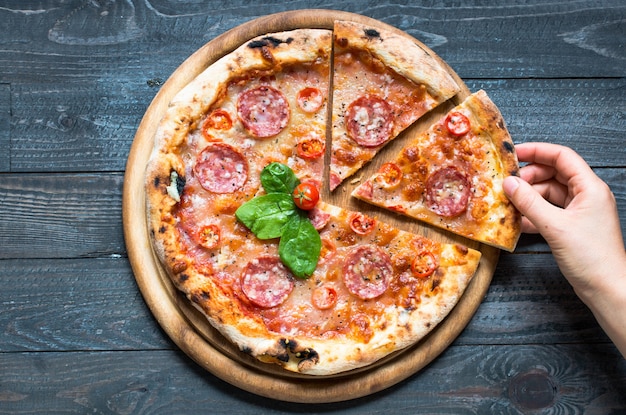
369,121
266,282
447,192
263,111
220,168
367,271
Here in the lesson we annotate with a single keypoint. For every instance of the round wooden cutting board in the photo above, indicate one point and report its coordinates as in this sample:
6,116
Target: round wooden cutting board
192,332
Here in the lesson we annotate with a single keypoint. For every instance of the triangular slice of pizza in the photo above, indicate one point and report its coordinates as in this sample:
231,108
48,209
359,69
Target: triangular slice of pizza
382,83
451,176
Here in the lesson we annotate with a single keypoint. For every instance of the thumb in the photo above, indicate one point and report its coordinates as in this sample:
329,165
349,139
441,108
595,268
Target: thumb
538,211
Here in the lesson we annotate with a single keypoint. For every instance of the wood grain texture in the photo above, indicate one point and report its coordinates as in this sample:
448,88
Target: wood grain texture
79,128
83,73
70,304
75,79
520,379
94,304
499,39
80,215
61,216
5,131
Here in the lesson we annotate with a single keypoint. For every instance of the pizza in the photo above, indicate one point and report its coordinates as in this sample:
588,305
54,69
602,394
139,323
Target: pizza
234,196
381,85
451,176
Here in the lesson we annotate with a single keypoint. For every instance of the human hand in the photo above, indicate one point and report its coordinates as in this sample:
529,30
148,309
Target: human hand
573,209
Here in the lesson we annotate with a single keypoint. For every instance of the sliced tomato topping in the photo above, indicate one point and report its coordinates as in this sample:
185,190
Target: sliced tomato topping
457,123
389,175
328,250
424,264
361,224
209,236
311,148
324,297
218,119
310,99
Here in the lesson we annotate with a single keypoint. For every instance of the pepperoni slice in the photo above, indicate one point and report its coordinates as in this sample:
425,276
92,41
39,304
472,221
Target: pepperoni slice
263,111
367,271
324,297
361,224
310,99
221,169
447,192
369,121
266,282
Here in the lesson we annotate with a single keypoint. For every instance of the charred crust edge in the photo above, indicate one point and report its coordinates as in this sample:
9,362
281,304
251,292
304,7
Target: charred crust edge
268,41
371,33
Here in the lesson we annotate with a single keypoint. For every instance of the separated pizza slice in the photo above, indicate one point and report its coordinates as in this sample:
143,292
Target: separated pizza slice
451,176
382,83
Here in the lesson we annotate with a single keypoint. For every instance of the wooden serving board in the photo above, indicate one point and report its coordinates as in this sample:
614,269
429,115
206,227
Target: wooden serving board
192,332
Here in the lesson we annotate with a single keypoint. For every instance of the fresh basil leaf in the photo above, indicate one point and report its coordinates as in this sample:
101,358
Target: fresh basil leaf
278,178
300,246
266,215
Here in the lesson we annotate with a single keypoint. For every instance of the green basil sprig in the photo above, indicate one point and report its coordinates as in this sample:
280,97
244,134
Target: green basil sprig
275,215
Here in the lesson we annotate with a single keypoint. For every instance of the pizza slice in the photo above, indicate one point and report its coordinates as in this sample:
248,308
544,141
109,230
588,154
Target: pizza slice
382,83
451,176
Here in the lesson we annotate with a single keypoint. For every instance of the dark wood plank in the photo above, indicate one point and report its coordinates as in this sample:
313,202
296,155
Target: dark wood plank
77,304
63,128
530,301
79,215
95,304
5,127
77,125
464,380
501,39
587,115
61,216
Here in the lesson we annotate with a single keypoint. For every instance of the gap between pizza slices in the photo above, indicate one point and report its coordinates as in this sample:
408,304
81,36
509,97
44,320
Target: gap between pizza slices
379,289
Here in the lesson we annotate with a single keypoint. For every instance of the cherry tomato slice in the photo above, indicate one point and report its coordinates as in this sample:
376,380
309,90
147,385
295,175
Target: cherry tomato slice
324,297
361,223
389,175
310,99
209,236
306,196
311,148
424,264
219,119
457,123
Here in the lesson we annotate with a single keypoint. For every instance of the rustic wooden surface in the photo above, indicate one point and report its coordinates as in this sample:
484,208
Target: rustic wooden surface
75,80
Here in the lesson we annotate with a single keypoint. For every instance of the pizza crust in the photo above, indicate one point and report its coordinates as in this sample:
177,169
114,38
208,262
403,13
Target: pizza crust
403,55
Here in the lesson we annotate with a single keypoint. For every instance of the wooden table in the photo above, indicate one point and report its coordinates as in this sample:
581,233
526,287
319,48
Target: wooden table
76,335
